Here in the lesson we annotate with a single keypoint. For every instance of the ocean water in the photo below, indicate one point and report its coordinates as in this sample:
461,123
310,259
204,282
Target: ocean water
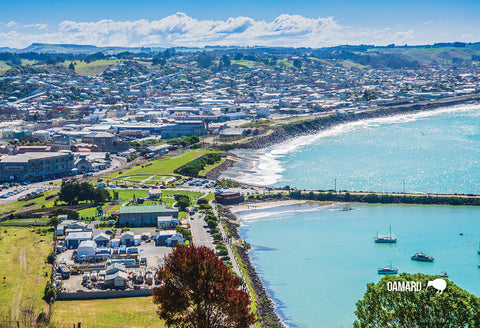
316,260
428,152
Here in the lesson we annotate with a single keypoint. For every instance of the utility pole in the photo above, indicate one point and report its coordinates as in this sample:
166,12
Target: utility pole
335,180
403,185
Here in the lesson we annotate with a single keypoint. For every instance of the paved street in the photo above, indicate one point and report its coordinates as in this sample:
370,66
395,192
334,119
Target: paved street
200,236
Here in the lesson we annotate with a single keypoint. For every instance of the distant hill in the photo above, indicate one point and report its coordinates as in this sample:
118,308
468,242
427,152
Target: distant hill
75,49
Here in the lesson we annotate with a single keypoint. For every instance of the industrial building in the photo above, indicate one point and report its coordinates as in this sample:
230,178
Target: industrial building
183,128
102,239
86,250
74,239
36,166
137,216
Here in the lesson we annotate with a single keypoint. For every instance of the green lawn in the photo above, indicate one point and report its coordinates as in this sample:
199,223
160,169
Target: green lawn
247,63
93,68
210,167
110,313
24,270
164,166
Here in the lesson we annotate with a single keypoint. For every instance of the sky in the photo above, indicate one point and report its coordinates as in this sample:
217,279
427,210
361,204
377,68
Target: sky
196,23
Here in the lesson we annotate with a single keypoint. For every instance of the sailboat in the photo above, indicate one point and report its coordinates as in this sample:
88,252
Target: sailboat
386,238
387,270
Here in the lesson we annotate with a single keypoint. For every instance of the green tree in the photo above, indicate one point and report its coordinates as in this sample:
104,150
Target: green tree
71,67
297,63
427,308
204,60
198,290
183,203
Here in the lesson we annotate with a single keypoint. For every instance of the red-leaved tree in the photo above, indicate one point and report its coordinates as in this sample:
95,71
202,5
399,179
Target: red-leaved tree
199,291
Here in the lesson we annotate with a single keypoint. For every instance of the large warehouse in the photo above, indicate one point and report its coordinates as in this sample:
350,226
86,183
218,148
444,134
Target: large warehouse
36,166
138,216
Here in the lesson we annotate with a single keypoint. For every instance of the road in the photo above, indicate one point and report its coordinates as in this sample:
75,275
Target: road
200,236
231,254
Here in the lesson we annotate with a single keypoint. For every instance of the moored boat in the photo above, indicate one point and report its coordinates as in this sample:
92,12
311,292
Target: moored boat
422,257
444,274
386,239
387,270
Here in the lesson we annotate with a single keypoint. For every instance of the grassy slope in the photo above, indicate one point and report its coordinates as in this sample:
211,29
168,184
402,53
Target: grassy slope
14,206
165,165
92,68
22,279
109,313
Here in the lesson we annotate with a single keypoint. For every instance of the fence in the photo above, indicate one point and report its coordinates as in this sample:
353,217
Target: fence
104,294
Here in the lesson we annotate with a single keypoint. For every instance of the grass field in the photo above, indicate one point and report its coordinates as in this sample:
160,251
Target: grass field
24,270
121,312
164,166
93,68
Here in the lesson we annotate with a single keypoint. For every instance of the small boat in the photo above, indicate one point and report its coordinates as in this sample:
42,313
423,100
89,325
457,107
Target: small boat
346,208
444,274
387,270
386,238
422,257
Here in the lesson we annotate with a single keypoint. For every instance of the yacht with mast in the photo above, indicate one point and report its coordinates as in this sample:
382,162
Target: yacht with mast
386,239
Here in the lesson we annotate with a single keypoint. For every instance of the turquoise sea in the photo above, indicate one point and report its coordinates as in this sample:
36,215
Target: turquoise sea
432,151
316,261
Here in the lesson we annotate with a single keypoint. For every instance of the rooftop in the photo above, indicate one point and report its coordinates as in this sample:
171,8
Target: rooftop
32,156
145,209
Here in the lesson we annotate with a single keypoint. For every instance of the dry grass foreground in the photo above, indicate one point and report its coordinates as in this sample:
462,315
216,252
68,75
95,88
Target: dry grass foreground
135,312
24,270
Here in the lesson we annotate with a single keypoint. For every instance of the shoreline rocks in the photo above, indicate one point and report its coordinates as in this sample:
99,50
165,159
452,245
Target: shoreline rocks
266,314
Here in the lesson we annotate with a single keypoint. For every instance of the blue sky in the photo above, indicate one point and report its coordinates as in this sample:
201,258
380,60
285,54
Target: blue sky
212,22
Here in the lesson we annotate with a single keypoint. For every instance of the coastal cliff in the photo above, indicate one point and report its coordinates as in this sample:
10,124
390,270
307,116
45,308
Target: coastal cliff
317,124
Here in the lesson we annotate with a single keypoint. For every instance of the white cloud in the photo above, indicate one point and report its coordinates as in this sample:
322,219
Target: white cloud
11,24
182,30
36,26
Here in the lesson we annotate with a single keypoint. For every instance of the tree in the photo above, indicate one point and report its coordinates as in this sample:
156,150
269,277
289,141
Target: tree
226,60
198,290
71,67
426,308
183,203
297,63
204,60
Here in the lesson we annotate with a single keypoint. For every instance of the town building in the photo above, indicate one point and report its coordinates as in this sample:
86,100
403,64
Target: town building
36,166
183,128
137,216
229,198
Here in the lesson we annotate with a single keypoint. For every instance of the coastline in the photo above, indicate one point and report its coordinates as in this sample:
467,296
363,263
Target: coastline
268,316
266,308
259,165
318,124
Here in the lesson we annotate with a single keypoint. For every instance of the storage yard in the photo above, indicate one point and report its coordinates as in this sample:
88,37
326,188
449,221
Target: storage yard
111,261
